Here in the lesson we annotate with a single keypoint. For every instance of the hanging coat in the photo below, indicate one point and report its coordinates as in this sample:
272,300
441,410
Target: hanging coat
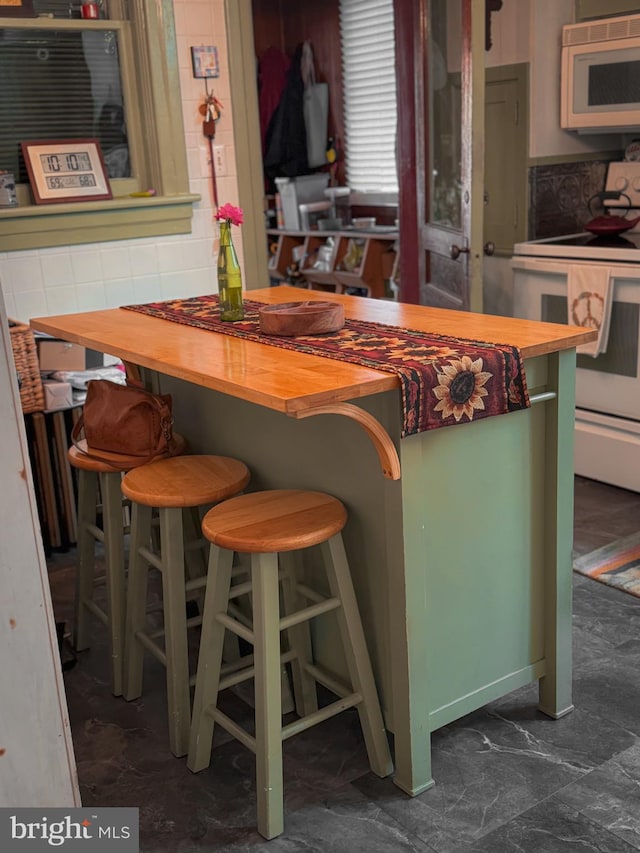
272,77
286,139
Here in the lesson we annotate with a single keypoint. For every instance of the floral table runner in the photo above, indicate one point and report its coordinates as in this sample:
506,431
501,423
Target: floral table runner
444,380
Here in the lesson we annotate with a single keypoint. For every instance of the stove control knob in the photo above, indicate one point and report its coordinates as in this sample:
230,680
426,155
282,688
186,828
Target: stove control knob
635,183
622,183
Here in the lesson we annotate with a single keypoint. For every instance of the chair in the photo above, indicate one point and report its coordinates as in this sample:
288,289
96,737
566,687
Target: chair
169,486
99,494
270,526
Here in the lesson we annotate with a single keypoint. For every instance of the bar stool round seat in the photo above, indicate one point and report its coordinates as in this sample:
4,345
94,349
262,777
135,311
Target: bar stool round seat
184,481
99,479
275,521
178,488
81,456
273,527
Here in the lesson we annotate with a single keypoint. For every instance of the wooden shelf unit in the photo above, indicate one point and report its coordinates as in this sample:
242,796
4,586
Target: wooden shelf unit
283,257
48,439
377,264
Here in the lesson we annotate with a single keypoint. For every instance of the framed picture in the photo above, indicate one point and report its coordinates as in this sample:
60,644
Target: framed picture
66,170
16,9
205,61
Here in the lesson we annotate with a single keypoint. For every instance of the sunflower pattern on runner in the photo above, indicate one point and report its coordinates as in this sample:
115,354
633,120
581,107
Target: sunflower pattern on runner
444,380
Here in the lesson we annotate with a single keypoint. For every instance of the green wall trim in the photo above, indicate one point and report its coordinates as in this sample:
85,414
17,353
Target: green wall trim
35,227
246,135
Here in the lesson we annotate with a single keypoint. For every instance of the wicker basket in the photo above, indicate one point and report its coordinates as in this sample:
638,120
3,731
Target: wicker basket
25,356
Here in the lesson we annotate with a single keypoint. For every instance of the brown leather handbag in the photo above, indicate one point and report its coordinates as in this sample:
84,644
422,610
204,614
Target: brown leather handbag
125,420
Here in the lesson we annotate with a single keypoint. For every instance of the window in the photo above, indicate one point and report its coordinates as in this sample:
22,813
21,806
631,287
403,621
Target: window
63,84
369,81
65,77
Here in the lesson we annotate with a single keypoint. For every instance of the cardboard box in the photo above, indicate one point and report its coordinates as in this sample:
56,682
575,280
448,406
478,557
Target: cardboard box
57,395
62,355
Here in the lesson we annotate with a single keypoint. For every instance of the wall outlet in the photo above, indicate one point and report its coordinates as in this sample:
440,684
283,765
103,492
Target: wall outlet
220,160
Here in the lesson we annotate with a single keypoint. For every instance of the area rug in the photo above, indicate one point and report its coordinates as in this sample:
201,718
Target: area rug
616,564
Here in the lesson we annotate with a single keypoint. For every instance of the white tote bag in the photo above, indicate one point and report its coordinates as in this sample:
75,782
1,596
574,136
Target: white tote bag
316,110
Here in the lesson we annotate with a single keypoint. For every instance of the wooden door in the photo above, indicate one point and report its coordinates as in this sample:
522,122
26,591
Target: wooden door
440,59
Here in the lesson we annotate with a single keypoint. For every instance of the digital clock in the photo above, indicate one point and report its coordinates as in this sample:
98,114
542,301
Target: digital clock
68,170
72,161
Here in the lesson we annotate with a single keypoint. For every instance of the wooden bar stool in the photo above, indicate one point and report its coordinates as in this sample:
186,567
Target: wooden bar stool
170,486
99,493
270,526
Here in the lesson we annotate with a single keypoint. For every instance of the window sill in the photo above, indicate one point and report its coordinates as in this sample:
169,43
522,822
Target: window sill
122,218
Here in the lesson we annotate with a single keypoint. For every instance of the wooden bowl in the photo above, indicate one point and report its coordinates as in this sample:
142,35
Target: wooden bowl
301,318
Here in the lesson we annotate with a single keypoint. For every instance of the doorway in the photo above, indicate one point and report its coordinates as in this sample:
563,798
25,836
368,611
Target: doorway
503,83
505,160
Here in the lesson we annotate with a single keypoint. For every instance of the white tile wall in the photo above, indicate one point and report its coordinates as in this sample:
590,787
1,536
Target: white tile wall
105,275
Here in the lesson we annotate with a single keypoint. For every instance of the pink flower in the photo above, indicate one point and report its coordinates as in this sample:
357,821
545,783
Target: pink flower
232,214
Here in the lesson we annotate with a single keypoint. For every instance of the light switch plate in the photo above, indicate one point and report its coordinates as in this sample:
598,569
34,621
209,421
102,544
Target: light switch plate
220,160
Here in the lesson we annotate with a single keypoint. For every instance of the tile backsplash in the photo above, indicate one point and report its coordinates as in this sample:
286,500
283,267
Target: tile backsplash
105,275
559,196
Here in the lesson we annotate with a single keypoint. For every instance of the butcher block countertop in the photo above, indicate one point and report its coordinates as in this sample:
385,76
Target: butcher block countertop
280,379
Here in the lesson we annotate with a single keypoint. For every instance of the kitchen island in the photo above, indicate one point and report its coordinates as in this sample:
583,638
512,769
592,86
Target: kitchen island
459,538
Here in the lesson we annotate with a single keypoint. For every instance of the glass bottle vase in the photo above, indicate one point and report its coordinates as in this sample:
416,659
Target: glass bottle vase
229,277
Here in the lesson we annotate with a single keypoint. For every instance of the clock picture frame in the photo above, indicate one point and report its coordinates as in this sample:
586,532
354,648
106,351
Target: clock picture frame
66,170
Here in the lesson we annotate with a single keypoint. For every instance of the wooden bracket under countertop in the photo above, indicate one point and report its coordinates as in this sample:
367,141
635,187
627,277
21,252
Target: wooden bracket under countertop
385,448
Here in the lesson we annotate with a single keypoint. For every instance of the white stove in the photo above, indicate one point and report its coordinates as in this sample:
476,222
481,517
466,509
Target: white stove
624,249
607,445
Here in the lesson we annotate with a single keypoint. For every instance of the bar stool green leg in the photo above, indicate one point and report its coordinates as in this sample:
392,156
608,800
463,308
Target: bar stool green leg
357,656
175,627
196,550
299,640
136,600
110,533
114,559
212,638
231,651
87,499
176,654
266,630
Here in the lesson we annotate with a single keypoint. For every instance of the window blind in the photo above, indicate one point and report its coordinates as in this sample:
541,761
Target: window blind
61,84
369,85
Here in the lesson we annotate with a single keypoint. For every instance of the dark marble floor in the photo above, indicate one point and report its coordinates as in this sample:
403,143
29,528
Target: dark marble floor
507,778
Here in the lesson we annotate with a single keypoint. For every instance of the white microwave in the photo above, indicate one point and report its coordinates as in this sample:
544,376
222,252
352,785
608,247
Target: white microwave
601,75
